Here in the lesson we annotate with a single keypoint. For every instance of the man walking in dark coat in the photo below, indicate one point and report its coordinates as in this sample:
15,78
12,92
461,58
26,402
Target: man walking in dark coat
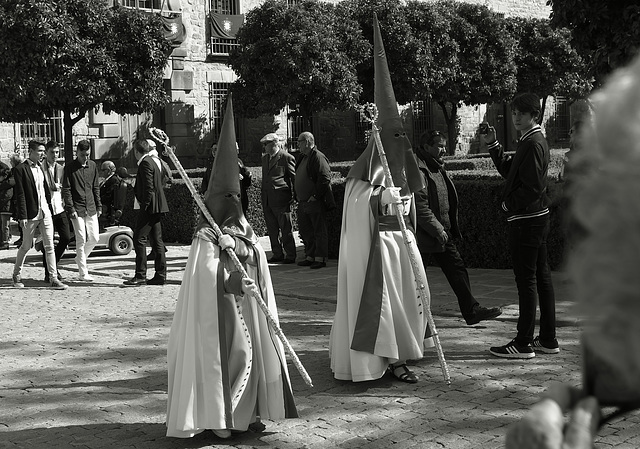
278,181
437,217
152,205
315,198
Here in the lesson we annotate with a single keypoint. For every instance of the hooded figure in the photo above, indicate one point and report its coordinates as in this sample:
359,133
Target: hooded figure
379,321
226,367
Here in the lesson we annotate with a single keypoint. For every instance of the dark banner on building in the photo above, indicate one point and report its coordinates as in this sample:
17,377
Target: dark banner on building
224,26
173,29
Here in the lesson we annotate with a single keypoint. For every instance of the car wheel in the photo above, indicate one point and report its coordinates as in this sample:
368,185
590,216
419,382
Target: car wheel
121,245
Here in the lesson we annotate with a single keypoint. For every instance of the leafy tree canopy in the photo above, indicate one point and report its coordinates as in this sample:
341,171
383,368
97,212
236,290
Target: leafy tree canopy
465,56
301,55
74,55
399,42
547,63
605,33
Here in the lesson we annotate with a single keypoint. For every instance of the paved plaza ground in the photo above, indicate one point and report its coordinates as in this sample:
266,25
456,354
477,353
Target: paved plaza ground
86,367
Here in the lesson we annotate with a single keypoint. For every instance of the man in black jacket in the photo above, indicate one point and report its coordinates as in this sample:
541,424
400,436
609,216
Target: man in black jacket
437,218
81,193
315,198
277,195
152,205
6,200
32,211
525,202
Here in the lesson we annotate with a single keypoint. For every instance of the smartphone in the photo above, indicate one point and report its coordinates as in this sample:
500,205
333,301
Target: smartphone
484,128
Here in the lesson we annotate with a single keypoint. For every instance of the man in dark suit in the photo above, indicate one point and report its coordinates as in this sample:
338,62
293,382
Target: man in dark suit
53,175
151,201
32,211
113,193
278,181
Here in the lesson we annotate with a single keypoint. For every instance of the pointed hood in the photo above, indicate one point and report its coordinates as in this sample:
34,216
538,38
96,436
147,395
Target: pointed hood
402,162
223,194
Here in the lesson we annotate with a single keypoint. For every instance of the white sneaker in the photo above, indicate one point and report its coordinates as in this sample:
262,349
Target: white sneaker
86,278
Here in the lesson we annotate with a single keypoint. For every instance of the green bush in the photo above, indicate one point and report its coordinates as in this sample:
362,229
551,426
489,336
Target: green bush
483,225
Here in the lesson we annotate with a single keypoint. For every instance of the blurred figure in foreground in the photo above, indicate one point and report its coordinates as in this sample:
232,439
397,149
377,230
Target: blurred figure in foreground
604,268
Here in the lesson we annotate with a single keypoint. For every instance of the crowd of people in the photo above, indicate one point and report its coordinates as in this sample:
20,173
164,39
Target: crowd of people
226,364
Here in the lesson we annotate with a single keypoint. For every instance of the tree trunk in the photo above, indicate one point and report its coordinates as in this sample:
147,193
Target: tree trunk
68,137
68,122
544,106
450,119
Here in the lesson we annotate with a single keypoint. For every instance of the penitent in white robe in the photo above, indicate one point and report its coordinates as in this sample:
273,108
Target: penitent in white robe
225,365
370,332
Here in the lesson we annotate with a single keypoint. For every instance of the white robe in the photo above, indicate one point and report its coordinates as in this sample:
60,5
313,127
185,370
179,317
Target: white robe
225,365
402,324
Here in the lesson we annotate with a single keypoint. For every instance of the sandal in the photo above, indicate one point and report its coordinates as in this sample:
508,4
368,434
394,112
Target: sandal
406,375
222,433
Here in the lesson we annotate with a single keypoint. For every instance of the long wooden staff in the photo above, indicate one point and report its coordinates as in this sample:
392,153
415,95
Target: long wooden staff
370,112
162,137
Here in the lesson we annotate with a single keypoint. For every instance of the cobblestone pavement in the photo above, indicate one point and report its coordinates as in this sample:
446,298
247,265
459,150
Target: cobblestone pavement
86,367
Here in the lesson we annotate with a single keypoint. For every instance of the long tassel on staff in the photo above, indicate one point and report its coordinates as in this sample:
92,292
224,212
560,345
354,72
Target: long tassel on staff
161,137
370,111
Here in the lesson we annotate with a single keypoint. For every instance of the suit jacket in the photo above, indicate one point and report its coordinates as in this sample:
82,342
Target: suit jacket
57,178
278,179
149,189
25,193
428,210
81,189
113,194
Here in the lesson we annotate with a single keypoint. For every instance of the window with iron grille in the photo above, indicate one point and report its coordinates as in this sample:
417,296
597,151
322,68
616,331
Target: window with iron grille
51,128
562,122
422,117
227,18
229,7
217,100
142,4
292,2
295,127
363,131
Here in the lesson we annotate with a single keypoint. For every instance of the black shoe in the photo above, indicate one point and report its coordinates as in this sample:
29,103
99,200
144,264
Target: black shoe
18,243
4,246
316,265
548,347
276,259
480,313
288,261
134,282
305,263
47,280
513,350
156,280
60,278
404,374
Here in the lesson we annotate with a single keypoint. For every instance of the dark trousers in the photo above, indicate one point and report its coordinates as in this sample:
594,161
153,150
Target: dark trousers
148,226
279,228
61,226
456,273
312,226
528,245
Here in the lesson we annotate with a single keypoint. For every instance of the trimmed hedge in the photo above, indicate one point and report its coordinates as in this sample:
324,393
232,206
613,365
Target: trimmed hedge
483,225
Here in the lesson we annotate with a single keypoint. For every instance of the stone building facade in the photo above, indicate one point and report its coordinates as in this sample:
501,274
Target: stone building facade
197,79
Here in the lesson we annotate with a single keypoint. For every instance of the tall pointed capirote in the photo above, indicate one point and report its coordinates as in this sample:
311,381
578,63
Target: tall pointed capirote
223,194
402,162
